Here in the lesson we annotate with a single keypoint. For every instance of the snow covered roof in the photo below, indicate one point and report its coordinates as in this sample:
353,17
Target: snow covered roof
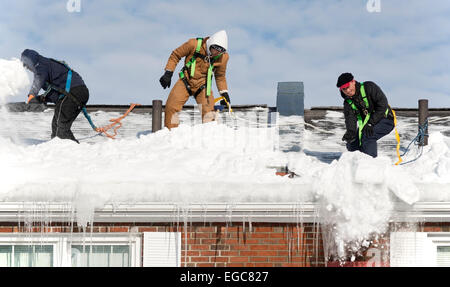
220,171
226,162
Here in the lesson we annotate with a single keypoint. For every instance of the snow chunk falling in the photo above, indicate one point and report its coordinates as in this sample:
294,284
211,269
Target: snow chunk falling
14,79
354,195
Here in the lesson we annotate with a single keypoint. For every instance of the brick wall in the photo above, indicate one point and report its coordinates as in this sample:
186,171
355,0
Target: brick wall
220,244
239,245
236,245
261,245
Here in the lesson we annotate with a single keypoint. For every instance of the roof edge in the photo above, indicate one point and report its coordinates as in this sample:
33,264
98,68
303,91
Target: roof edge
307,212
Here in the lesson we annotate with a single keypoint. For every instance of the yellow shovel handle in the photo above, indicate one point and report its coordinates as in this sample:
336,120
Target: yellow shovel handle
222,98
397,137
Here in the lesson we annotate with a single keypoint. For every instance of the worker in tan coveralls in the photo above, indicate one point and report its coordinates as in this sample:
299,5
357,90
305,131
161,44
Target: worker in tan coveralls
203,59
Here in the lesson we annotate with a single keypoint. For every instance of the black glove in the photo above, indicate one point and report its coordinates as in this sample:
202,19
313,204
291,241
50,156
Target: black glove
227,97
368,130
165,79
349,137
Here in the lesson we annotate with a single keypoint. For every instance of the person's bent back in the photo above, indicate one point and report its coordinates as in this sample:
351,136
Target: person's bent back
54,77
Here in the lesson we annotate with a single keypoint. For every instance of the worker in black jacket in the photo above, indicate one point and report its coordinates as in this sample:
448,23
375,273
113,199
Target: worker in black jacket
64,87
368,116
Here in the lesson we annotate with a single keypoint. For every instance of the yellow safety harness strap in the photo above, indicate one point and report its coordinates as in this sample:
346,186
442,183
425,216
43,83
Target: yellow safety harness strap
222,98
397,137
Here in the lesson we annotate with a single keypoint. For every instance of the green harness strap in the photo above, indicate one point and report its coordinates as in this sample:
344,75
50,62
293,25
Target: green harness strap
209,77
194,58
361,124
209,80
191,65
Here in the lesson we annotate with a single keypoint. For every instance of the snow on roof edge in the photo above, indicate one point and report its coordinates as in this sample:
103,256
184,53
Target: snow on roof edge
307,212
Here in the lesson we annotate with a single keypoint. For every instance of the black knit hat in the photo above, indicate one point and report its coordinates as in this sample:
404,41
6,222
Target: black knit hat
344,79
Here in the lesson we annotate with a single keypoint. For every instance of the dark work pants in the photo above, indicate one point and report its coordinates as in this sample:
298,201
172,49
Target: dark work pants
369,144
66,111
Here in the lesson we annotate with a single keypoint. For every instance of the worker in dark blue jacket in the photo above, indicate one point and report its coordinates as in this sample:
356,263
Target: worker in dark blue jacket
63,87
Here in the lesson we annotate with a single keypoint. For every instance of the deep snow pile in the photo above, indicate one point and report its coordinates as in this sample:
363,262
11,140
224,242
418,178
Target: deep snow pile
203,163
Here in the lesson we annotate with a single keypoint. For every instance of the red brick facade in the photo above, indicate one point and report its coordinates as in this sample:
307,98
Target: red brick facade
239,245
221,244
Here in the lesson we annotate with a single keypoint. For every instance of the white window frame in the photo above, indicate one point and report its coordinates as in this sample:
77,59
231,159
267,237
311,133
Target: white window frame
62,243
429,243
438,239
10,239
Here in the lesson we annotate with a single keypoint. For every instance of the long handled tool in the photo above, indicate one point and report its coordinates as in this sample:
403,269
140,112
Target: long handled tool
115,122
228,105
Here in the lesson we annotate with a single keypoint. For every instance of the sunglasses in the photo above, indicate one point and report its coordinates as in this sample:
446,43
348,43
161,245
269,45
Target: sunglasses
218,48
344,87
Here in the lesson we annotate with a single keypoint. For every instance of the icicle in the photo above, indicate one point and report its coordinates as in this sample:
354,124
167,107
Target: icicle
288,239
185,212
190,216
312,229
131,234
316,234
83,227
229,212
205,213
174,212
250,226
297,220
178,226
175,216
303,234
91,239
72,218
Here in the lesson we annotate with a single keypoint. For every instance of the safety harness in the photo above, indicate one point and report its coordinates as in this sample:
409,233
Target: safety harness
366,112
66,93
362,123
191,65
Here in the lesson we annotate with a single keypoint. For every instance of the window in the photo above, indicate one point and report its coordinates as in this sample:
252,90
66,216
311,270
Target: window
161,249
65,250
26,255
420,249
101,256
443,256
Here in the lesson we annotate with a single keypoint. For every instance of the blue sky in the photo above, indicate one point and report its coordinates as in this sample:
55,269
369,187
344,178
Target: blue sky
120,47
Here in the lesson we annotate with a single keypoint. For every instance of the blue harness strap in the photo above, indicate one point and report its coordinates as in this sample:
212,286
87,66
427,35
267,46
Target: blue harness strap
69,77
86,115
69,81
68,84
